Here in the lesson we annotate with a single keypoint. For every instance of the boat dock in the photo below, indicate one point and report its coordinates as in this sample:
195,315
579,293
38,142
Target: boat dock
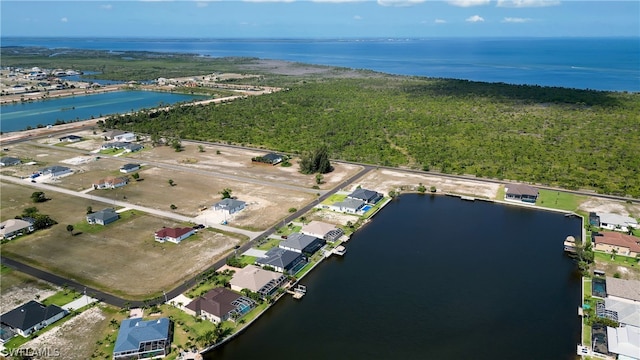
298,292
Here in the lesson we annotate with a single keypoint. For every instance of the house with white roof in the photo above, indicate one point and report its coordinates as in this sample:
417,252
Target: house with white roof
14,227
256,279
322,230
616,222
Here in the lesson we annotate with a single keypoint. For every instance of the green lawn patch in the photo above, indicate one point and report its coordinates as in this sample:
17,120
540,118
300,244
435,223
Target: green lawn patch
501,193
305,269
617,259
61,298
84,227
559,200
334,199
376,208
586,334
269,244
247,260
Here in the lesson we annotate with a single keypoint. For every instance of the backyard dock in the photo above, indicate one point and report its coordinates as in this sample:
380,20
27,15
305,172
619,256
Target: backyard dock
298,292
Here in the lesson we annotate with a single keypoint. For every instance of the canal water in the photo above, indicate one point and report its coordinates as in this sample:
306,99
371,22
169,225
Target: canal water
433,277
16,117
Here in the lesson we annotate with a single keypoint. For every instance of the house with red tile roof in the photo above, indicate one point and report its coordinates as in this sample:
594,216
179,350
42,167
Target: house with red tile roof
623,244
174,235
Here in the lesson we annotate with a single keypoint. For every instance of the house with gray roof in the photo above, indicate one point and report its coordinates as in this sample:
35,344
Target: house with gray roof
301,243
349,206
103,217
616,222
15,227
284,261
624,341
127,168
70,138
521,192
56,171
230,206
138,339
31,317
623,289
368,196
9,161
220,304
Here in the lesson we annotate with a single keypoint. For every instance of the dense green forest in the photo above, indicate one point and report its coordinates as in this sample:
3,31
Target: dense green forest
552,136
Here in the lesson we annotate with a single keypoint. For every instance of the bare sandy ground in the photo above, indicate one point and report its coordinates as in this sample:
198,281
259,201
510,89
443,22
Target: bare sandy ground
18,295
610,206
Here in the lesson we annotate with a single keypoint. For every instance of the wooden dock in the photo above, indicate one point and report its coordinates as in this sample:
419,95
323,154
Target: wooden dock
298,292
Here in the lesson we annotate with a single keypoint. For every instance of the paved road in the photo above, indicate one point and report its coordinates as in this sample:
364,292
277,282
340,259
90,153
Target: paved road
121,302
161,213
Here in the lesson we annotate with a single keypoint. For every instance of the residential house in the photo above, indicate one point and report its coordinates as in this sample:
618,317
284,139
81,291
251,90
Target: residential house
118,145
127,168
15,227
616,222
103,217
119,135
270,158
230,206
521,192
9,161
624,311
131,147
621,289
70,138
301,243
349,206
56,171
31,317
322,230
623,244
284,261
219,304
368,196
256,279
624,341
138,339
110,183
174,235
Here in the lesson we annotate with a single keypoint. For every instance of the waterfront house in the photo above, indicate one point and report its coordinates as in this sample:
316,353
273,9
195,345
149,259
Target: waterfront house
322,230
616,222
622,289
349,206
624,341
623,244
15,227
230,206
174,235
219,304
284,261
103,217
127,168
9,161
521,192
70,138
256,279
31,317
55,171
139,339
368,196
110,183
623,311
301,243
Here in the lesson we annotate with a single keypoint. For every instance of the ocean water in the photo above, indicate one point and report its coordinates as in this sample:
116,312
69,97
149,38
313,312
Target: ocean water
611,64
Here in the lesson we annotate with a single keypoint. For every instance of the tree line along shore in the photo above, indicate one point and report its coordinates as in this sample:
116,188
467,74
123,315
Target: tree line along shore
576,139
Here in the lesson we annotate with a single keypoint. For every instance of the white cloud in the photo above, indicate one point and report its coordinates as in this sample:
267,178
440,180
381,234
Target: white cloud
515,20
64,19
475,18
269,1
399,3
527,3
202,4
468,3
106,7
440,21
357,17
337,1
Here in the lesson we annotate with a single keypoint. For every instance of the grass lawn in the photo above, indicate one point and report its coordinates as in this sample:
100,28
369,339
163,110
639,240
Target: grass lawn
586,334
618,259
269,244
247,260
305,269
559,200
61,298
587,287
500,193
376,207
334,199
287,230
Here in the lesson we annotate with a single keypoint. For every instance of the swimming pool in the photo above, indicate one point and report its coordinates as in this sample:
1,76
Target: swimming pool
366,208
599,288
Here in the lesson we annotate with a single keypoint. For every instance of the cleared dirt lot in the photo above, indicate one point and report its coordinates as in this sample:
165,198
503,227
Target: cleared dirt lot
122,258
383,181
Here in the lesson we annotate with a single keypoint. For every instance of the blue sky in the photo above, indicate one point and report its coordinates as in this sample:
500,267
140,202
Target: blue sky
320,18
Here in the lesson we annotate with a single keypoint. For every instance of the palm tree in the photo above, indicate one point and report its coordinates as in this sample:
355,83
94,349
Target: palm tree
70,229
613,254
